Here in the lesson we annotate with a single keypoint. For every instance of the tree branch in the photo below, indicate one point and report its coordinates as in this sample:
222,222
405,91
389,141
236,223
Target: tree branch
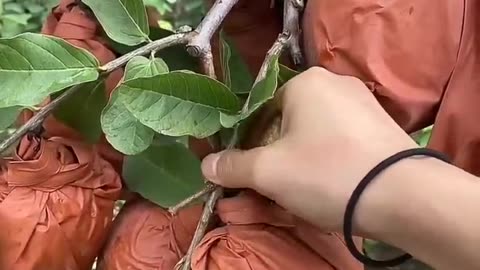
291,26
37,120
202,226
156,45
200,44
209,188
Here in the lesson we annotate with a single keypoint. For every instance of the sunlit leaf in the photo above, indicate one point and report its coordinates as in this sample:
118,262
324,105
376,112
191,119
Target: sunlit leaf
33,66
164,174
124,21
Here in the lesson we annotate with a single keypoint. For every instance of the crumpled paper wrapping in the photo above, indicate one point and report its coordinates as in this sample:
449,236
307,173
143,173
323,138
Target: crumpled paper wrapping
258,235
56,205
145,236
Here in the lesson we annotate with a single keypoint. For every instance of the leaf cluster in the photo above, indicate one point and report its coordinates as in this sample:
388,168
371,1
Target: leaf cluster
160,101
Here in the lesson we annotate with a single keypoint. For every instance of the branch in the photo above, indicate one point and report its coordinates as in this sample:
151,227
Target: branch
291,26
175,39
202,226
200,44
37,119
206,62
280,43
209,188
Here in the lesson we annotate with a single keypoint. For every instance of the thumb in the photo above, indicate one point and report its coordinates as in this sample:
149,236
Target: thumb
234,168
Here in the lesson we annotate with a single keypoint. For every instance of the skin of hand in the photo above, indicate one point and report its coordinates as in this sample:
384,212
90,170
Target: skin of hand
333,132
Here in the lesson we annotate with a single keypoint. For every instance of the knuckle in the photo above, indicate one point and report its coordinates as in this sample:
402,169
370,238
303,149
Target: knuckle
225,165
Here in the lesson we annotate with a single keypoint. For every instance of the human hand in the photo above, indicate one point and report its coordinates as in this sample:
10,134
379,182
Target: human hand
333,132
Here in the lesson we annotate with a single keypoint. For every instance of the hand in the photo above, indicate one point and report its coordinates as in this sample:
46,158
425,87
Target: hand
333,133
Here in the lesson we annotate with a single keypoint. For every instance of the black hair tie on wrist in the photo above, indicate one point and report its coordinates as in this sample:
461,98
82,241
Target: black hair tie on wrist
348,218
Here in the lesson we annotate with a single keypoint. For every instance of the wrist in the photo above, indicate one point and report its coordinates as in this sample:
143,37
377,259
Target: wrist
390,203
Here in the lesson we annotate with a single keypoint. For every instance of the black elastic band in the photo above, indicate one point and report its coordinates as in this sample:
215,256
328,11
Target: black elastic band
348,218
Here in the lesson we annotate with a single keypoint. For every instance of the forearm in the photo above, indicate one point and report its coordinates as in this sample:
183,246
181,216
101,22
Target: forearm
427,208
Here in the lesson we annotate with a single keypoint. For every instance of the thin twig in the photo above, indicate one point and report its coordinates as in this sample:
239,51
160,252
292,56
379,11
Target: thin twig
209,188
202,226
291,25
175,39
200,44
280,43
37,119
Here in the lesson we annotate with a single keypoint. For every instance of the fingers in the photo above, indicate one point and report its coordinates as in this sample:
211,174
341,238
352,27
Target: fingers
236,168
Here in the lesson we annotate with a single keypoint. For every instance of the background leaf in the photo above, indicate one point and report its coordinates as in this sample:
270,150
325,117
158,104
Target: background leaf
8,116
235,71
164,174
82,110
285,74
179,103
124,132
124,21
32,66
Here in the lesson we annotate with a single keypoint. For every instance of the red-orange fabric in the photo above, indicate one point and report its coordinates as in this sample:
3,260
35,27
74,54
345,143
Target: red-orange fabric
456,130
56,205
258,235
145,237
69,22
396,47
417,58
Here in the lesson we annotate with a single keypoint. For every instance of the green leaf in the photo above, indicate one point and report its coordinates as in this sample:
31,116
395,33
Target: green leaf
124,132
33,66
124,21
34,7
285,74
176,57
14,7
142,67
424,137
21,19
82,110
8,116
235,71
164,174
263,91
10,28
179,103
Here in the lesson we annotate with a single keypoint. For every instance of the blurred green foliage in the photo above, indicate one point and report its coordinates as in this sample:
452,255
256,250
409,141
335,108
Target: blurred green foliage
18,16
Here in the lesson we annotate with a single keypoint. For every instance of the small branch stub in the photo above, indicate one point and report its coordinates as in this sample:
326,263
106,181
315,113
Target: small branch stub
291,25
199,44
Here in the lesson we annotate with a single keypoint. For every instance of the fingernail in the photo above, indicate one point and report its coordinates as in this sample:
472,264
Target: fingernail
209,166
